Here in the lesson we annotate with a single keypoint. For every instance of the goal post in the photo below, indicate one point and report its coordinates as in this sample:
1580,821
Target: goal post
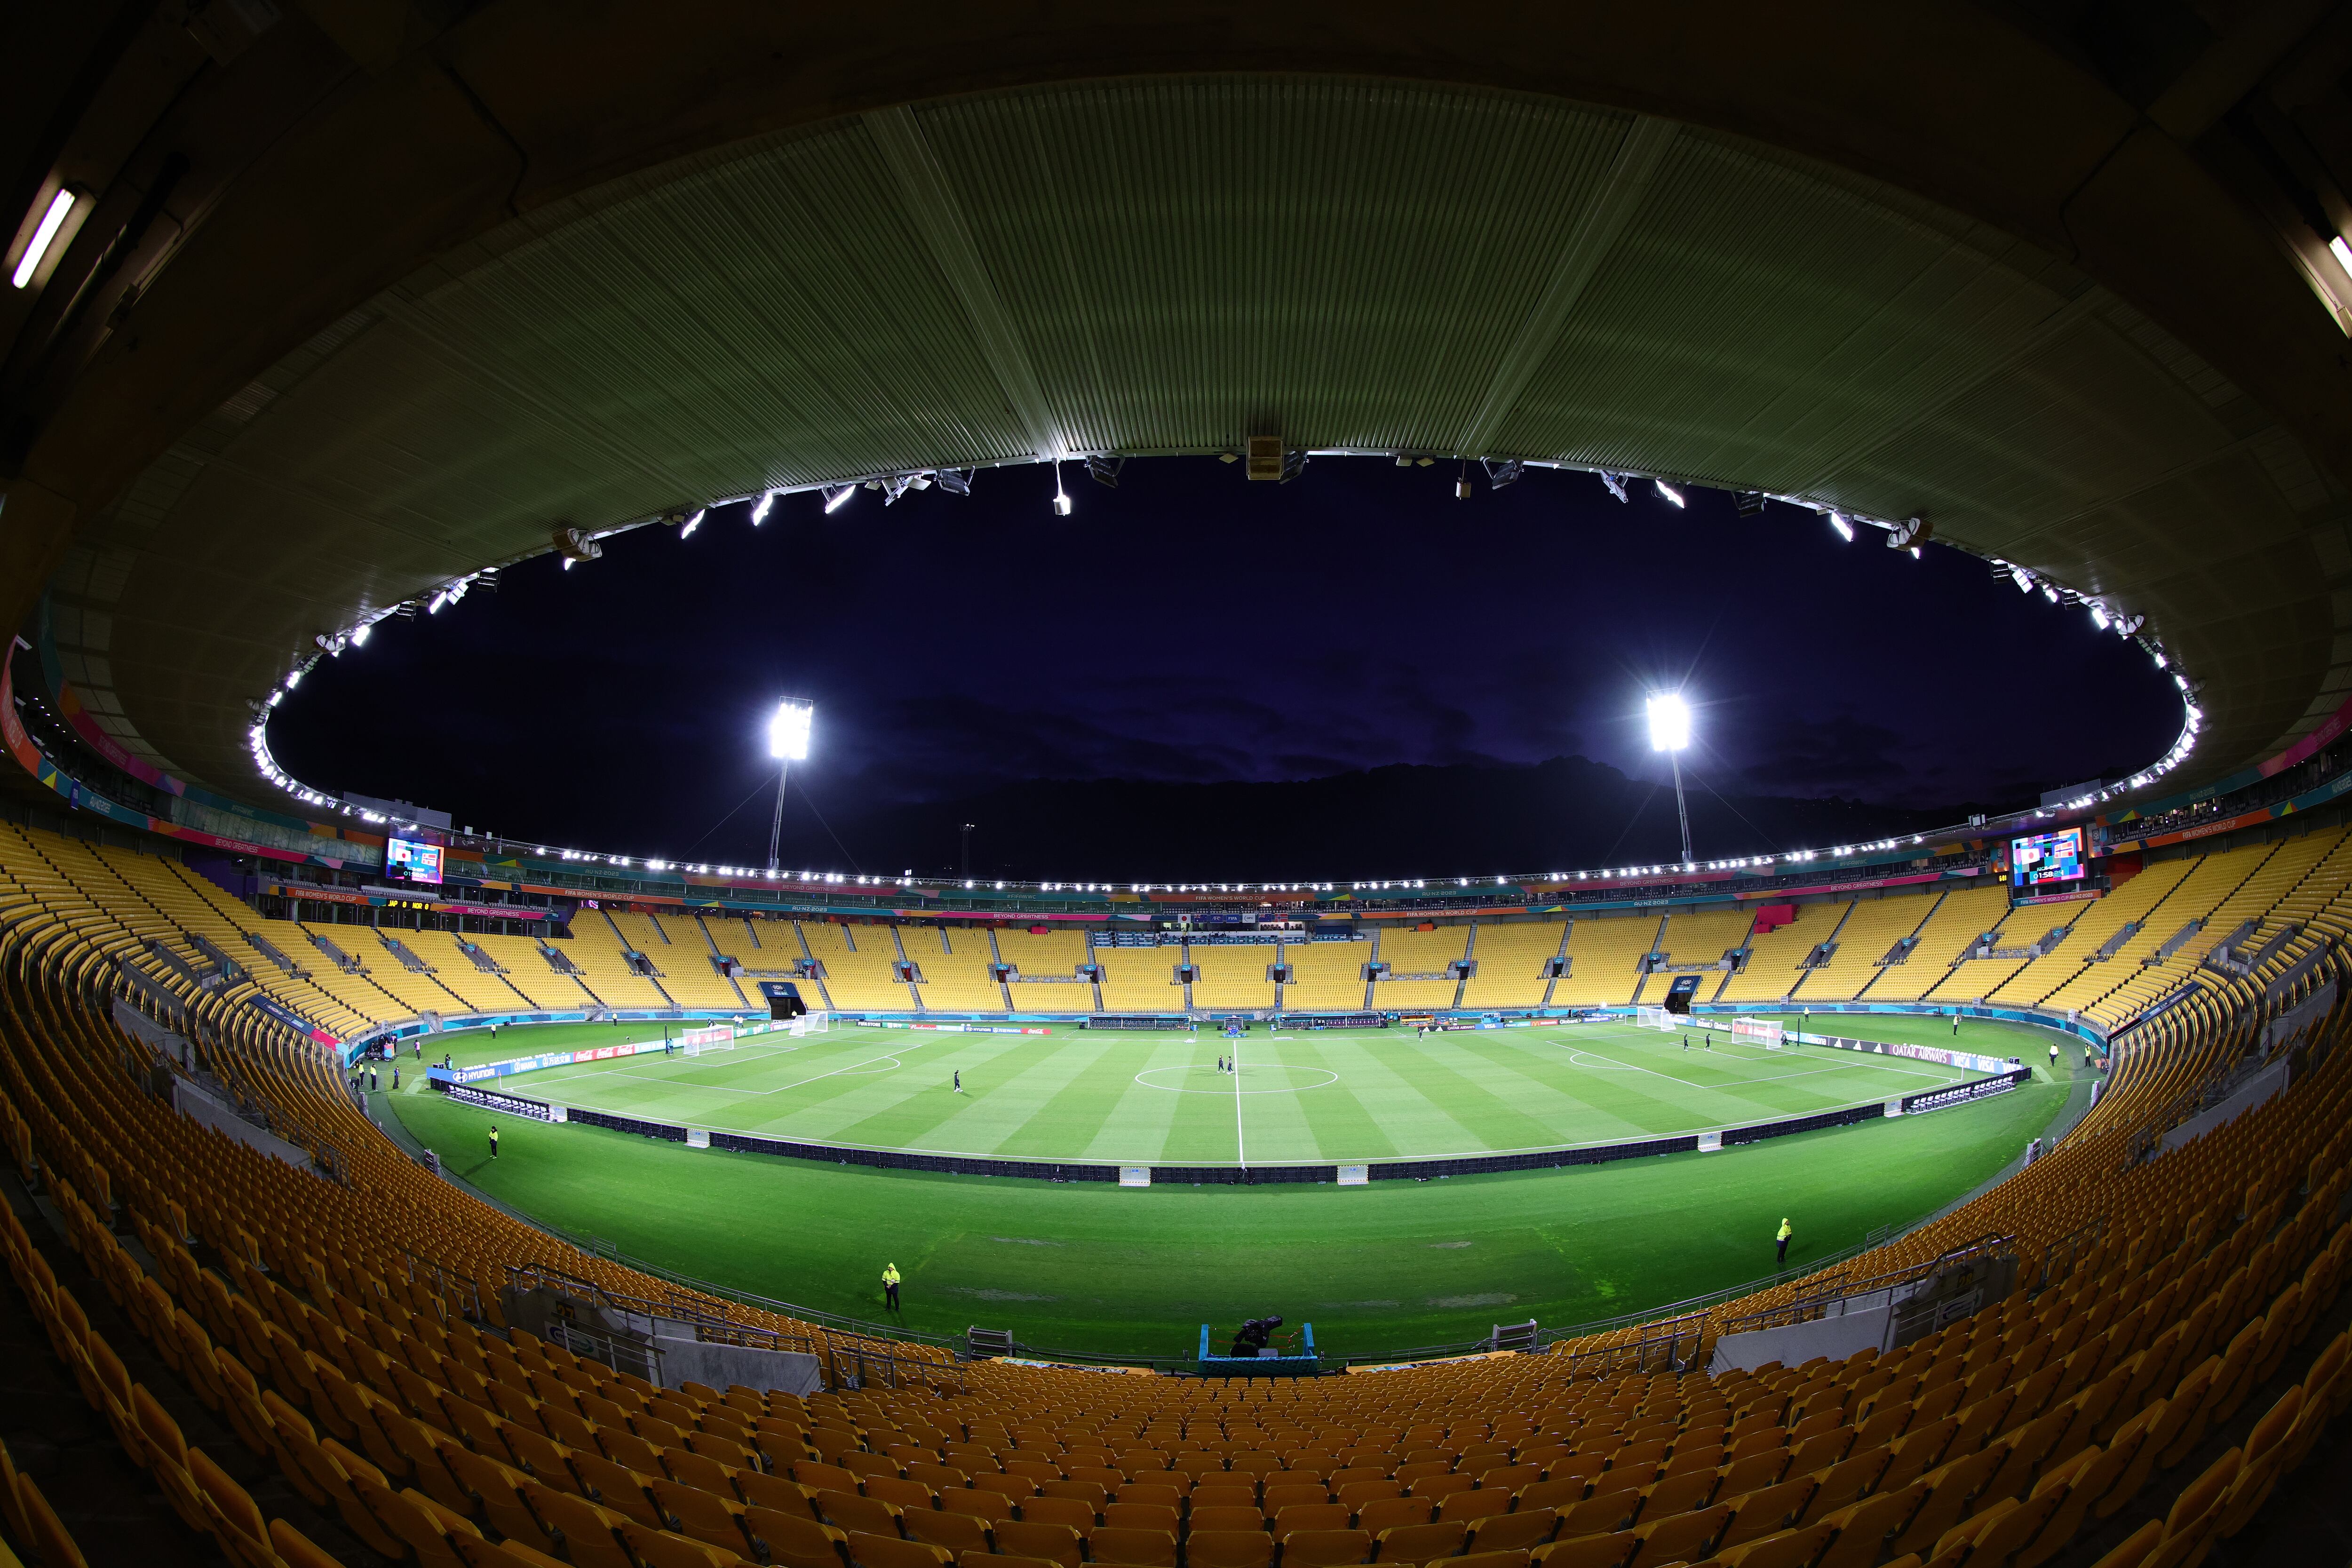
719,1037
1646,1017
815,1022
1764,1032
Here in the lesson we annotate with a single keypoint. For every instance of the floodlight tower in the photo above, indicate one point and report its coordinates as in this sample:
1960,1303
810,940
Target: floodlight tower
1670,730
787,741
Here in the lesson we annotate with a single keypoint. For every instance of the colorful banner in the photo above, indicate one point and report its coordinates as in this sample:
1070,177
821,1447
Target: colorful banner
481,1071
45,772
2307,801
946,1028
2303,750
1914,877
1936,1053
310,894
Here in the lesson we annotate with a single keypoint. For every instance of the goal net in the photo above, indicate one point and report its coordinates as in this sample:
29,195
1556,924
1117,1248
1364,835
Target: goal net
717,1037
1766,1032
1654,1018
814,1023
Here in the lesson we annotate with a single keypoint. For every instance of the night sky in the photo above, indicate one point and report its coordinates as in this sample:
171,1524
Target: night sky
1192,627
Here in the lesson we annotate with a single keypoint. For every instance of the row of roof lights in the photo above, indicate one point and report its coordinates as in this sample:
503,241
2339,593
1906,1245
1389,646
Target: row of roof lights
958,482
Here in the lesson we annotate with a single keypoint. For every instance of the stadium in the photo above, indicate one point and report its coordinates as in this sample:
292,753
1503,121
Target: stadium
1888,1188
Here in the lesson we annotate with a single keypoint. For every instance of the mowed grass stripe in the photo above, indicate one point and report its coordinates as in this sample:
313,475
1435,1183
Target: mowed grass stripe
1390,1086
1337,1117
1546,1081
1018,1080
1729,1092
1066,1120
825,1097
1449,1074
923,1107
1139,1124
1273,1105
1205,1132
1642,1103
1540,1077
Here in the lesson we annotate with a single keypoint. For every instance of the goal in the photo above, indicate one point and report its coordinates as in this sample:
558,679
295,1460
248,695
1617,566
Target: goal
1765,1031
1654,1018
813,1023
717,1037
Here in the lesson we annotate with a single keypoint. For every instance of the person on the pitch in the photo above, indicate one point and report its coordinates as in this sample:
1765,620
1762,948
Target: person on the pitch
2053,1058
959,1081
494,1143
890,1286
1786,1231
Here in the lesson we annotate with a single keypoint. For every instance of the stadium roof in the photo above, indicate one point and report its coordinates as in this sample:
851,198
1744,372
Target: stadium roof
414,296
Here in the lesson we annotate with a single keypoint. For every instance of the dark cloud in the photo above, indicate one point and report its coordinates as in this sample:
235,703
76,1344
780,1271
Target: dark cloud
1838,755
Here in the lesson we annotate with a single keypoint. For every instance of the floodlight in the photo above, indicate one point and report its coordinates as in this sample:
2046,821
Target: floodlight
760,512
51,221
835,495
1061,496
1845,528
361,633
1668,491
691,524
788,731
1615,486
1670,732
1670,721
2335,247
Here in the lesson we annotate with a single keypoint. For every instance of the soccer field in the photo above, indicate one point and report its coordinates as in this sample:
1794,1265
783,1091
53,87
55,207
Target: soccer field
1298,1098
1093,1265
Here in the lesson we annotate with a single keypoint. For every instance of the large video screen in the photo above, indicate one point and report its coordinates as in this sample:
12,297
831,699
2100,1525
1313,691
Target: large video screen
2046,858
412,859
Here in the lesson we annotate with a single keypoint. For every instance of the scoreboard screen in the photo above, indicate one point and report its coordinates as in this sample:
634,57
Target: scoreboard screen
2046,858
412,859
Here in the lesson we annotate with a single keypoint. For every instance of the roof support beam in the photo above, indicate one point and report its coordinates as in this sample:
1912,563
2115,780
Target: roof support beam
1622,189
938,217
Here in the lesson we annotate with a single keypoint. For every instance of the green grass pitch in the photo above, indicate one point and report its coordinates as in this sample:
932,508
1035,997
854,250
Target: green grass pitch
1093,1266
1138,1098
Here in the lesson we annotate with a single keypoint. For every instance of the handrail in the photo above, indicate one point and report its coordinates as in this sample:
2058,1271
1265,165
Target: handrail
832,1322
443,1277
1803,1309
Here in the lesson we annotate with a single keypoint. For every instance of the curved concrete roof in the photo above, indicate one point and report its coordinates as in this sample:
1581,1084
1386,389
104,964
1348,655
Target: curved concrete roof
538,270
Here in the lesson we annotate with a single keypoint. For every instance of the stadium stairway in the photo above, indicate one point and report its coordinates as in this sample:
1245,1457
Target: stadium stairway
2072,972
2224,889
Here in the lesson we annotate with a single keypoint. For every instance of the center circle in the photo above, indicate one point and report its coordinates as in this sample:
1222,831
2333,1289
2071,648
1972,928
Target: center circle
1271,1078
